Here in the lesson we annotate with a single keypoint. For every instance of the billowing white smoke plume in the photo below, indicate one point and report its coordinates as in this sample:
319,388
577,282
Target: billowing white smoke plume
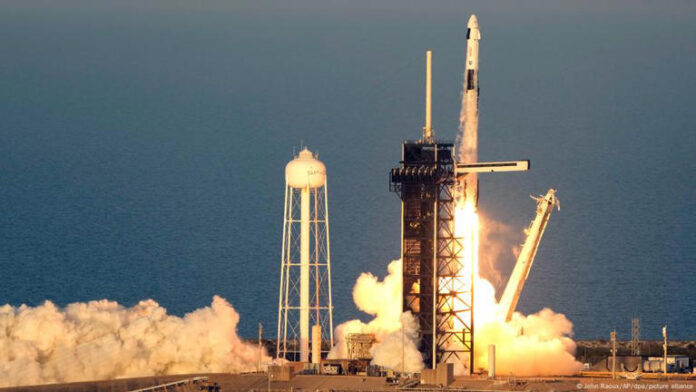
101,340
499,247
534,345
382,299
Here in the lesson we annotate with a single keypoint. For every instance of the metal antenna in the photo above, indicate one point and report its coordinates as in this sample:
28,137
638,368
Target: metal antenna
428,128
613,354
258,367
635,336
664,348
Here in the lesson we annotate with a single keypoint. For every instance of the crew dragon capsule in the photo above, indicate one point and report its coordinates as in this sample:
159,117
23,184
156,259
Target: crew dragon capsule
473,36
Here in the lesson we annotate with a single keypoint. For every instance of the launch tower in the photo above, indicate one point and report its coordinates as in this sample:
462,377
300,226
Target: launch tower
305,278
430,250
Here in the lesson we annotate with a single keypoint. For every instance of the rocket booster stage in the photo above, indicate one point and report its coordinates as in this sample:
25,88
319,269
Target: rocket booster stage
468,118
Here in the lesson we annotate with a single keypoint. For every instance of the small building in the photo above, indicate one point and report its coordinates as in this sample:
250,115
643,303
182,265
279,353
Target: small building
344,366
624,363
359,345
443,375
281,372
675,364
634,363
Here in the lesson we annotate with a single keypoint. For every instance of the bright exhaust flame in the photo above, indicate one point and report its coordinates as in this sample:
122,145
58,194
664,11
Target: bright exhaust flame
467,227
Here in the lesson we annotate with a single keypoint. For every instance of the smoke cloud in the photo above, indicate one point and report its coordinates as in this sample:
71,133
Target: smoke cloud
539,344
101,340
394,349
499,246
534,345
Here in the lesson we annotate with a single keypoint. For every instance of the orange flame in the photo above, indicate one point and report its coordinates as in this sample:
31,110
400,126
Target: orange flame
466,227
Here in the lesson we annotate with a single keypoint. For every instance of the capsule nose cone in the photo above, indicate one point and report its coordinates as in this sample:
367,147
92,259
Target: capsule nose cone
473,22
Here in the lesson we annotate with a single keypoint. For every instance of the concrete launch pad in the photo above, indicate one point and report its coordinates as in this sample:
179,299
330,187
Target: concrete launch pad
259,382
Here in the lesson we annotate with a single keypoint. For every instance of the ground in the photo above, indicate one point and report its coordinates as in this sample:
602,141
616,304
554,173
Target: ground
259,382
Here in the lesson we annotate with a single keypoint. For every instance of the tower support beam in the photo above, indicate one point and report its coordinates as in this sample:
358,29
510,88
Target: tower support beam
431,253
304,275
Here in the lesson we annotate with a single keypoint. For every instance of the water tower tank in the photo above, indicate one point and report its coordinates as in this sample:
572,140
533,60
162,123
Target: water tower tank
305,171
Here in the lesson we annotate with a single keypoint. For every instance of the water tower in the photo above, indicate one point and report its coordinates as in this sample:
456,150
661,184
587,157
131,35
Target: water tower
304,299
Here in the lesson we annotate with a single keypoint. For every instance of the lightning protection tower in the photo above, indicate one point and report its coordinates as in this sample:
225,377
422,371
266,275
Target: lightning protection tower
304,299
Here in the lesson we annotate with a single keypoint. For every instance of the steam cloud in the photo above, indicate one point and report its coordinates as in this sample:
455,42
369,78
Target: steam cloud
496,250
101,340
534,345
382,299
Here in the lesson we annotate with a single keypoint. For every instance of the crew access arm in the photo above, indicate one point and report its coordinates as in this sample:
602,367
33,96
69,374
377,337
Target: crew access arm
511,295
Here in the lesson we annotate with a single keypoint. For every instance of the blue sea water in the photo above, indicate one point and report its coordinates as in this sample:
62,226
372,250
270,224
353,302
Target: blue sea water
142,146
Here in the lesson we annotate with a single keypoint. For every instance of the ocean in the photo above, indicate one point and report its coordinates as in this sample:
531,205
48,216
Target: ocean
143,143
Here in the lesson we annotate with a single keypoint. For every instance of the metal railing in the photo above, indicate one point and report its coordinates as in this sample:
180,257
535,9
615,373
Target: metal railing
173,384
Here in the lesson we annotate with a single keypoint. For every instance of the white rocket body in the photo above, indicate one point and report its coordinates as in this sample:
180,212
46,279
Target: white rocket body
468,150
473,36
